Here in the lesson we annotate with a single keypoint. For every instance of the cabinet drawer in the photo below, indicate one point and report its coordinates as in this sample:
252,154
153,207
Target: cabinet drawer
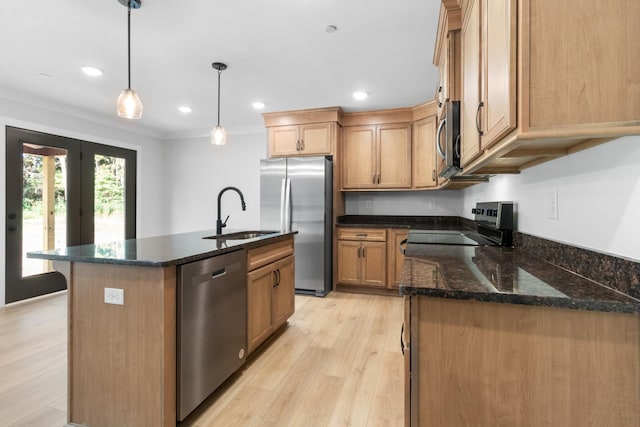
369,234
263,255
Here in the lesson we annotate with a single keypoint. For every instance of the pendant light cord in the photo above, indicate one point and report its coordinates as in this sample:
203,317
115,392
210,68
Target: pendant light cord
129,43
219,72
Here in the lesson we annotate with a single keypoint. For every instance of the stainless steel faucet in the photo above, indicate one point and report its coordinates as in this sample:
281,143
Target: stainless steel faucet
219,224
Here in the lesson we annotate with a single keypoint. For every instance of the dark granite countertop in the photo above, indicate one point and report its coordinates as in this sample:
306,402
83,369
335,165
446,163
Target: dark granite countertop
405,221
160,251
504,275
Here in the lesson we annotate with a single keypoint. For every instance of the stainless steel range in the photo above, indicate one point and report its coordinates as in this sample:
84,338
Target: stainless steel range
493,225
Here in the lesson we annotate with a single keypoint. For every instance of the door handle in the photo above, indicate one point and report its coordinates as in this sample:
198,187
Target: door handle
480,105
219,273
438,134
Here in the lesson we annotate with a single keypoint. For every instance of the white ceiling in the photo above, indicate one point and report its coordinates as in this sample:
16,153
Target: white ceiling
277,51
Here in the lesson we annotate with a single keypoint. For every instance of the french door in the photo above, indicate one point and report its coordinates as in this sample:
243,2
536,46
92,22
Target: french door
61,192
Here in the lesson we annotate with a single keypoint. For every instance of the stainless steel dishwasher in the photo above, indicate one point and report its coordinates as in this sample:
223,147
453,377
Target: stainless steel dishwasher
211,326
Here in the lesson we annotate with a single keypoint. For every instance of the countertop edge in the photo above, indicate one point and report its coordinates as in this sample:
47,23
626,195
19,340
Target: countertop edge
566,303
246,244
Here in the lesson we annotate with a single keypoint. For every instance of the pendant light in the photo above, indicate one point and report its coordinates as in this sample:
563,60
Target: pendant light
218,134
129,105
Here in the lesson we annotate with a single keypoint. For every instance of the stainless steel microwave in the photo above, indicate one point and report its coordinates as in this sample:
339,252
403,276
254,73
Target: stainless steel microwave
449,149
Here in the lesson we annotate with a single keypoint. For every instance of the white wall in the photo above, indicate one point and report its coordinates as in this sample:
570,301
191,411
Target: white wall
150,160
598,198
195,172
431,203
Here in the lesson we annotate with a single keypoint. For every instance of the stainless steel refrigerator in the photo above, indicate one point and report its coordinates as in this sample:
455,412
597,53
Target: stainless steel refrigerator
296,194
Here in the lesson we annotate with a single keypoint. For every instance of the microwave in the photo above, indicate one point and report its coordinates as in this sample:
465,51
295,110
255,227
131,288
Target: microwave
449,147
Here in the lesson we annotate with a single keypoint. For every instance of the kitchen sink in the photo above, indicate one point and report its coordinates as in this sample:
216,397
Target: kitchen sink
241,235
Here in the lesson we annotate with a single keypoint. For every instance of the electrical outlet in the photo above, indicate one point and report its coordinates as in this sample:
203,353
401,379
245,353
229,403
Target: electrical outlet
552,204
114,296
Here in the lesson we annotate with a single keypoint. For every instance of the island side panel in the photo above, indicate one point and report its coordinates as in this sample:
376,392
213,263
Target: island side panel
491,364
122,358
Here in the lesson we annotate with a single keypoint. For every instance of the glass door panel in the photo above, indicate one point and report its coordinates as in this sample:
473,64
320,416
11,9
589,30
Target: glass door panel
109,198
44,207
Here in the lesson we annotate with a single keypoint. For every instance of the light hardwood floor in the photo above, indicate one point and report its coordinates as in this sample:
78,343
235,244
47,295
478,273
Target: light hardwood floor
337,363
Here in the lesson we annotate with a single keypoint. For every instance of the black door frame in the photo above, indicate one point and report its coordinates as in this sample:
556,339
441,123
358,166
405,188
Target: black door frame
80,204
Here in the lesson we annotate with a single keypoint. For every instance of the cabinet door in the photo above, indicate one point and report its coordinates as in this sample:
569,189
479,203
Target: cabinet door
283,141
374,264
394,145
316,138
259,325
395,257
424,155
443,69
359,161
283,293
498,69
349,265
470,137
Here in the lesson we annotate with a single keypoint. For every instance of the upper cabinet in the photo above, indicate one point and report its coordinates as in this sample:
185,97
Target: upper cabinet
542,79
377,156
301,140
304,132
424,154
488,75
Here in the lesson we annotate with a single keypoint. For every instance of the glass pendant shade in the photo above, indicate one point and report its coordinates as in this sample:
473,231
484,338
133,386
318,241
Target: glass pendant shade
218,136
129,105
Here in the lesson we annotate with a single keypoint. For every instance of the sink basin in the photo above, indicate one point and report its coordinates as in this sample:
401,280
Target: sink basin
241,235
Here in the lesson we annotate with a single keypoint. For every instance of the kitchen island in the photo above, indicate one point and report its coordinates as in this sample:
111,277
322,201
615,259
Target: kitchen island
123,306
493,336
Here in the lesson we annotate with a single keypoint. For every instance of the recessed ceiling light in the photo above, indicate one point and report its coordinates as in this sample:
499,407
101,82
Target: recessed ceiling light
360,95
331,29
44,75
258,105
185,109
92,71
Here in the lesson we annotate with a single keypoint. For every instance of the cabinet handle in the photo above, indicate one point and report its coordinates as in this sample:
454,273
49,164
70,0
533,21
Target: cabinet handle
402,338
361,234
275,278
302,145
278,277
364,254
480,105
378,178
433,175
439,92
373,178
438,134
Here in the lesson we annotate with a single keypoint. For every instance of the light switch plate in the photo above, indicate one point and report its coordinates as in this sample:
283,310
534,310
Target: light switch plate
114,296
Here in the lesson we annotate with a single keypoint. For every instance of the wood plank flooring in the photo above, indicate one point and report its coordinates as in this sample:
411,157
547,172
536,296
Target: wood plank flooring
337,363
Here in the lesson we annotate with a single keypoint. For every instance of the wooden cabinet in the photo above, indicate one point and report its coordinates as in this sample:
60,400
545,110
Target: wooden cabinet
303,140
314,132
424,153
377,156
270,290
394,256
541,81
472,363
362,257
488,74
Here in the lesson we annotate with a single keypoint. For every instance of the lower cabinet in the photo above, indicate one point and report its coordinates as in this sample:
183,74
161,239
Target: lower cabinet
362,257
486,364
270,291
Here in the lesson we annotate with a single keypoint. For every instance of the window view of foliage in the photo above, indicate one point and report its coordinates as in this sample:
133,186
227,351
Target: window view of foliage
109,185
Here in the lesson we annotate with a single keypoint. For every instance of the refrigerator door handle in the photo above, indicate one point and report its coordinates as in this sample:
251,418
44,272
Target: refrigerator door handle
282,204
287,206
